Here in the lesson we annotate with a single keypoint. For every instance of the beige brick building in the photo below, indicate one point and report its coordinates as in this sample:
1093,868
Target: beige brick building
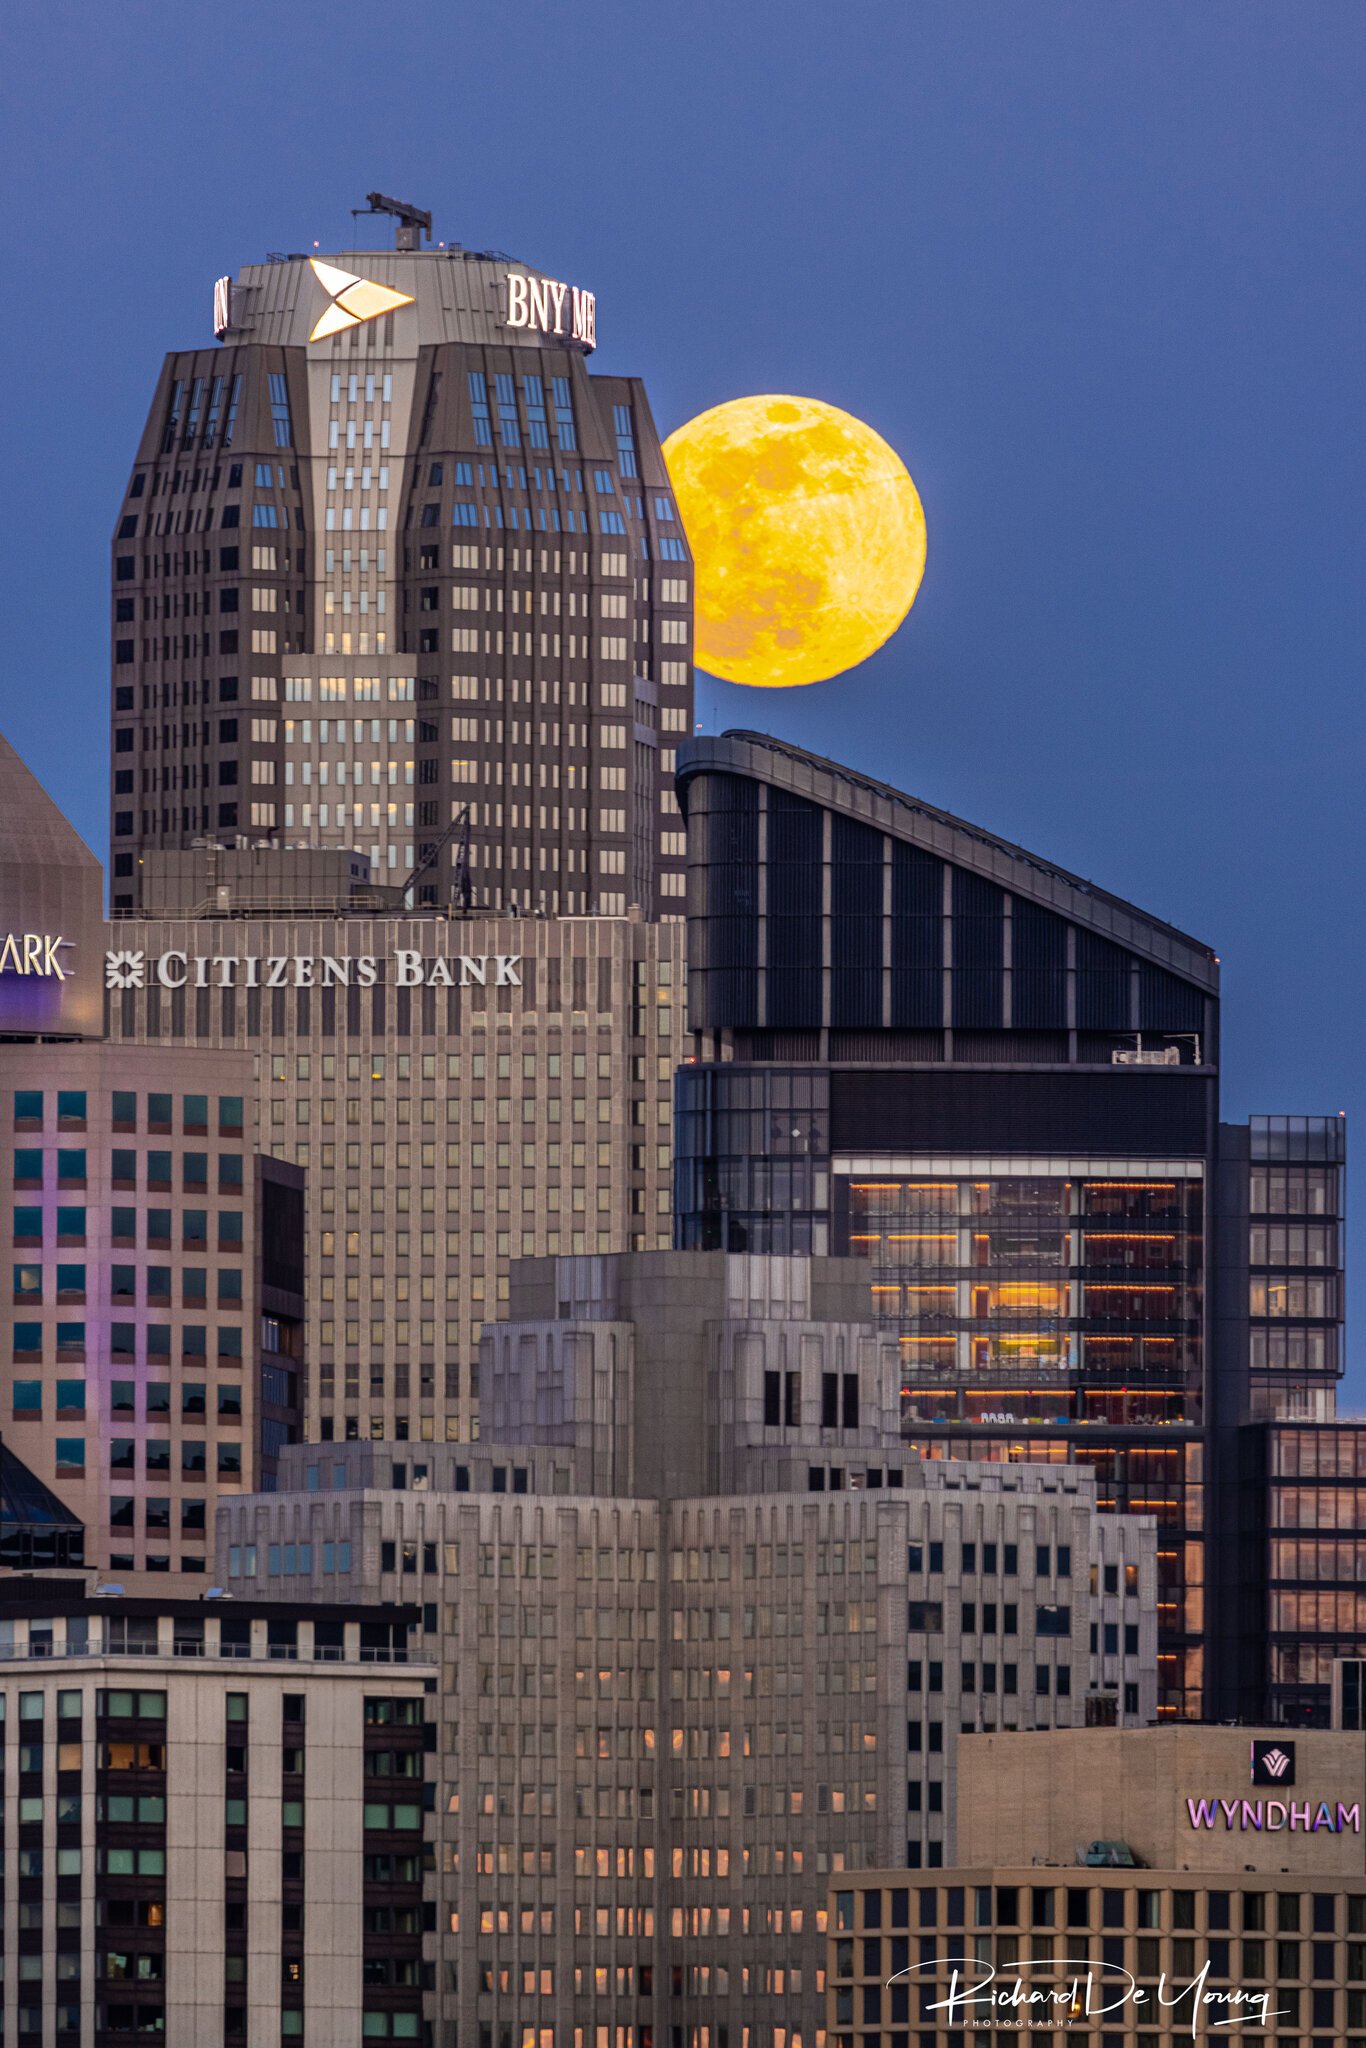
1182,1798
459,1093
1143,1887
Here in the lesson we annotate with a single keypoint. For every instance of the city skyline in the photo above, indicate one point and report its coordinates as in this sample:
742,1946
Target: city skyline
675,1357
1113,340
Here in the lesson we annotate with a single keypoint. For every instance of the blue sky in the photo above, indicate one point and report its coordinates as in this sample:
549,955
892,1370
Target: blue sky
1095,271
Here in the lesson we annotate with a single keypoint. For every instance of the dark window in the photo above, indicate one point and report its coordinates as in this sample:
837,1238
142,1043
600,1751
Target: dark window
856,924
978,951
1166,1003
731,822
1038,954
1102,984
794,912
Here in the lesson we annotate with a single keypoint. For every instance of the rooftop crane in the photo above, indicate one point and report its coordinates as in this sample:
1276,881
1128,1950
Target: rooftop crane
413,223
431,854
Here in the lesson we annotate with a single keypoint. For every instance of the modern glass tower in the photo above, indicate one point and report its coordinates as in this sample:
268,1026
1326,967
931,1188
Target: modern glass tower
394,572
998,1084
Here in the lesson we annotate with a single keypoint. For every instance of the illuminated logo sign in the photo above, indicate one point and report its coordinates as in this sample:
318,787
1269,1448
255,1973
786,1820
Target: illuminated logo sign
123,969
33,953
552,308
354,299
1273,1763
222,307
1271,1815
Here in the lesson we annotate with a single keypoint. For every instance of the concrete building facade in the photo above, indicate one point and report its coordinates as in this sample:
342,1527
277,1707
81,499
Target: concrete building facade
707,1634
214,1820
152,1317
1167,1884
154,1323
458,1092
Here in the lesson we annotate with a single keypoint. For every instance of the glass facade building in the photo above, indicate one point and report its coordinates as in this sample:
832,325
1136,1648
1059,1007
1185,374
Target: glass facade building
1296,1176
919,1044
1293,1510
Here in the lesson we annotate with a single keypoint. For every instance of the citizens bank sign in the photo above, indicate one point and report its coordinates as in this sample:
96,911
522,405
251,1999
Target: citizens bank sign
401,969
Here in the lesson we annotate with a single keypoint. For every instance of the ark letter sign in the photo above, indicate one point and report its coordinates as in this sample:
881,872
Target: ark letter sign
32,953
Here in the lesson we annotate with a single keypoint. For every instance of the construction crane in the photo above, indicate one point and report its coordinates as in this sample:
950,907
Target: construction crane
413,223
464,887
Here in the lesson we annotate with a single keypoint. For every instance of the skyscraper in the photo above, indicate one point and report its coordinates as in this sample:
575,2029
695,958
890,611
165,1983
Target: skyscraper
393,571
705,1632
999,1085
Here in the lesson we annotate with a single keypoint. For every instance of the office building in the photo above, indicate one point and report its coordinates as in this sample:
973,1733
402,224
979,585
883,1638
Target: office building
395,572
1288,1503
998,1084
155,1320
1292,1576
1349,1694
214,1820
151,1353
423,1098
1105,1875
707,1631
457,1092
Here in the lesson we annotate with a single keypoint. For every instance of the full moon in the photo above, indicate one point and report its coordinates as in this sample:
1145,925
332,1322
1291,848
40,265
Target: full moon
807,535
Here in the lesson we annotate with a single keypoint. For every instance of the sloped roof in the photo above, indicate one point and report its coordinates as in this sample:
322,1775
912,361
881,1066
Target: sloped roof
33,832
25,1503
832,785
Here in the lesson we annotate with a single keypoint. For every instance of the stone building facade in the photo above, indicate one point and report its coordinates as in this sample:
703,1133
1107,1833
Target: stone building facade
707,1633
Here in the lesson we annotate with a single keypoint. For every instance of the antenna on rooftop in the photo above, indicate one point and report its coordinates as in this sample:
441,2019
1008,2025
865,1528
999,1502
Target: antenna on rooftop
413,223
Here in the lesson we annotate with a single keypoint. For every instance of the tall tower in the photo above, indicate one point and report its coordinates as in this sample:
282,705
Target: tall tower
395,572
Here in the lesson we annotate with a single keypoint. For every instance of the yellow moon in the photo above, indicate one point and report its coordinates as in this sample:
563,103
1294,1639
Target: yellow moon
807,535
